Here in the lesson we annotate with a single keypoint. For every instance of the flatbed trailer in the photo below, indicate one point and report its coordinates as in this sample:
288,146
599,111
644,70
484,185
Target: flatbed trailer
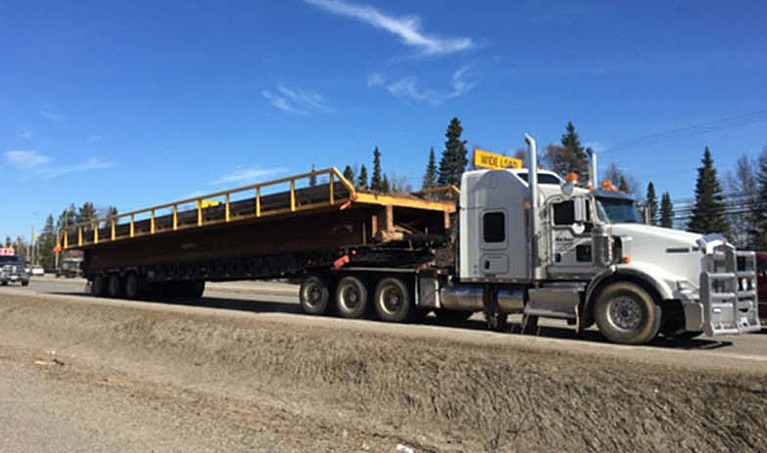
282,228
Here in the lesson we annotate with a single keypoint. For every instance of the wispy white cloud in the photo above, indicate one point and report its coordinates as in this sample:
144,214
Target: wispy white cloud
248,175
53,116
297,101
26,159
407,28
408,87
34,163
27,134
93,138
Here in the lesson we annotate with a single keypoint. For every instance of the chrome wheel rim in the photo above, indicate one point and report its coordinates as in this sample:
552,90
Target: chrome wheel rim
312,294
625,313
391,299
350,296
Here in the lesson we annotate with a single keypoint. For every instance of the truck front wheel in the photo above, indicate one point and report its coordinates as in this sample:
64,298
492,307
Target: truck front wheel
627,314
351,298
392,301
314,296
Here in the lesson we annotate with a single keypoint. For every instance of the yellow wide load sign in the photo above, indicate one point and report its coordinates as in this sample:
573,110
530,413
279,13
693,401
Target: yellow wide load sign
486,159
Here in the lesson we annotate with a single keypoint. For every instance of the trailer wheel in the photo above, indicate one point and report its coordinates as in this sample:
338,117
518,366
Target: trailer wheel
131,286
627,314
351,298
115,286
98,286
392,301
314,296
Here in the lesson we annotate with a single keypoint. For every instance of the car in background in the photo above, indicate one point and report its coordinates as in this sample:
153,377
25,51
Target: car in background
37,271
12,270
761,281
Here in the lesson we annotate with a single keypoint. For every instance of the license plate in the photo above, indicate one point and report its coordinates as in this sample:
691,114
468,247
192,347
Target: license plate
14,277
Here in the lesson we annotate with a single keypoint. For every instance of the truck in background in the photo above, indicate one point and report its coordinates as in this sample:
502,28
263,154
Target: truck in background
526,243
12,268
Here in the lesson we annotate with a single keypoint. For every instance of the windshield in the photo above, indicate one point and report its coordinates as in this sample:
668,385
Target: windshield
9,259
613,210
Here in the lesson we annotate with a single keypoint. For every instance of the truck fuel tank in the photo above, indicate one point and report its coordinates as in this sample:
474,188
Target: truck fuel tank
469,298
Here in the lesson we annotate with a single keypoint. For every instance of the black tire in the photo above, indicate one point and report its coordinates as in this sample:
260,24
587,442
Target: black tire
451,318
115,285
25,283
351,298
4,283
132,286
393,302
98,286
314,295
194,289
627,314
529,325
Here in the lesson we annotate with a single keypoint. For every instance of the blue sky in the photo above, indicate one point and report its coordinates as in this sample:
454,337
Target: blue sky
134,104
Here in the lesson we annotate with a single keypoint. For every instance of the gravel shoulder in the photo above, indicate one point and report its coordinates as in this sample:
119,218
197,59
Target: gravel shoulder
174,377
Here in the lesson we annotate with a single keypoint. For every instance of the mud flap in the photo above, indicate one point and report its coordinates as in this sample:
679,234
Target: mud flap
728,293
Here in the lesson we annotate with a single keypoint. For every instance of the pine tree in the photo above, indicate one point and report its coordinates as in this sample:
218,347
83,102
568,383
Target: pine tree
349,174
362,180
708,211
46,243
576,154
312,178
430,177
652,204
622,185
385,188
666,211
375,180
8,241
86,213
454,160
759,208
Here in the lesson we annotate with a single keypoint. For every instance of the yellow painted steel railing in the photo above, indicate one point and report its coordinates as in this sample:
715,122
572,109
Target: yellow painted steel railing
87,233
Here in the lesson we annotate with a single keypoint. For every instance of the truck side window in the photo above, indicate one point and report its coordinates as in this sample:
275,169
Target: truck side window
564,213
494,227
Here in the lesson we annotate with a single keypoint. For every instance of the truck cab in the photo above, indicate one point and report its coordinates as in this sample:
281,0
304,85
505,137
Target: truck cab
584,255
12,270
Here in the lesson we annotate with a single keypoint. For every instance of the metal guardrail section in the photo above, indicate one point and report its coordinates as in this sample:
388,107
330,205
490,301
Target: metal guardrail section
88,233
728,290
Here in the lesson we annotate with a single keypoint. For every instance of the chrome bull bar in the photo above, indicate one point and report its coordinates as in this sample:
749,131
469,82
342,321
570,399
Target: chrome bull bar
728,291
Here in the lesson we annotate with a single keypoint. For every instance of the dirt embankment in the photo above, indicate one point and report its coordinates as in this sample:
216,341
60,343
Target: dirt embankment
327,389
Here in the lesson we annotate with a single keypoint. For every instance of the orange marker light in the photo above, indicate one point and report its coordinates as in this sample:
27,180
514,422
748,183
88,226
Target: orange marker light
626,260
571,177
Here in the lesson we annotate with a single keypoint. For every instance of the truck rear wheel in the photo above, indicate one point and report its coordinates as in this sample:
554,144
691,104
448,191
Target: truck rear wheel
314,295
351,298
627,314
115,285
392,301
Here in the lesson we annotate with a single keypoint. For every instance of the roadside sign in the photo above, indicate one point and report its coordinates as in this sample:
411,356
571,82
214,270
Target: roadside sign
486,159
7,251
57,249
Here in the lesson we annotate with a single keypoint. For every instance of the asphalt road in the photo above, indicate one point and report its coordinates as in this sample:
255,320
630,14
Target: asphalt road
281,300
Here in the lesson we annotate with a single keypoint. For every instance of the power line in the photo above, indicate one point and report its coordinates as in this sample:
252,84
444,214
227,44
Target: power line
689,131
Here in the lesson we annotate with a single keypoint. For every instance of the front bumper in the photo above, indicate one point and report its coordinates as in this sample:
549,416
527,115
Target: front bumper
728,293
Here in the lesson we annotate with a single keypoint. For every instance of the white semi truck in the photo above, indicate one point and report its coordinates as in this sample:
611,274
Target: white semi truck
532,244
526,243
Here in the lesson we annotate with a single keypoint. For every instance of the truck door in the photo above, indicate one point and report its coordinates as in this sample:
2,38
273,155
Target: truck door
494,259
571,243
